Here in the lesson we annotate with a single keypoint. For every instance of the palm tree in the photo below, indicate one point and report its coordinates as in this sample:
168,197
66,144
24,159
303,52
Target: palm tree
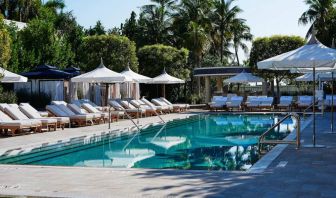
197,41
55,5
157,17
224,16
317,13
241,33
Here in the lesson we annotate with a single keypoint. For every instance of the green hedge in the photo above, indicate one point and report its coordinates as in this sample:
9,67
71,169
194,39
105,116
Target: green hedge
117,52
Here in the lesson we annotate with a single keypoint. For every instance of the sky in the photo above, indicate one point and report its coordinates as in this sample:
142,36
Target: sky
265,17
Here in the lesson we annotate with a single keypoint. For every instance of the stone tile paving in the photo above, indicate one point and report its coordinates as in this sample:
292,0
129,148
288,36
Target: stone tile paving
310,172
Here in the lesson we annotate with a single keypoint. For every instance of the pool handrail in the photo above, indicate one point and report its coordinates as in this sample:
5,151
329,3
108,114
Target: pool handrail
298,128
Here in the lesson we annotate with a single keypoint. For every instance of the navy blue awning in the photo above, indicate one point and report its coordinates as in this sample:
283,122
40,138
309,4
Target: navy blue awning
219,71
47,72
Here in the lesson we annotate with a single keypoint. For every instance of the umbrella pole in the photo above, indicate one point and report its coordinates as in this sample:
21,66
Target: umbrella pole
314,117
332,102
314,145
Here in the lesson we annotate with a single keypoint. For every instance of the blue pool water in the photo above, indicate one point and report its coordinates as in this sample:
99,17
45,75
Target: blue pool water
202,142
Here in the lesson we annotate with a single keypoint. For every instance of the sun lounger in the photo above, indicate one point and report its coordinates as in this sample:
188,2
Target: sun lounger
149,110
63,111
235,102
163,109
158,102
218,102
285,102
91,109
266,103
128,106
118,107
16,114
97,117
183,107
46,123
304,101
252,102
32,113
8,125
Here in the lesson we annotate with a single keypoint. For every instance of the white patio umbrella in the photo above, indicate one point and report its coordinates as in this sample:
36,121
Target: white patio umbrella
102,75
312,55
138,78
135,76
244,77
164,79
10,77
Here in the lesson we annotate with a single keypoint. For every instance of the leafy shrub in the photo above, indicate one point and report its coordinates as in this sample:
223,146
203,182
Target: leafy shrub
8,97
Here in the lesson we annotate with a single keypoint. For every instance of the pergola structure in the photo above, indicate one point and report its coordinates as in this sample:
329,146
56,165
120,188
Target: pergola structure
219,73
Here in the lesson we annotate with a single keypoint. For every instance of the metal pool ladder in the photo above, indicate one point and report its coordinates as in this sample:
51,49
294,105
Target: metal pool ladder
263,141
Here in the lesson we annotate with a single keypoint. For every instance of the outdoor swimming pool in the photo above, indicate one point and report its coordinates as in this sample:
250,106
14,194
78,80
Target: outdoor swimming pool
201,142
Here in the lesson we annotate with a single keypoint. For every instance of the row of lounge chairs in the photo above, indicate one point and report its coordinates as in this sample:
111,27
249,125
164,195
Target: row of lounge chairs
143,107
16,118
264,103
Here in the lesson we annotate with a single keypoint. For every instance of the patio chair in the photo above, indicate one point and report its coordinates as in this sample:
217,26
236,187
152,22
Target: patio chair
32,113
235,102
182,107
285,102
163,109
304,102
14,127
44,123
97,117
63,111
218,102
91,109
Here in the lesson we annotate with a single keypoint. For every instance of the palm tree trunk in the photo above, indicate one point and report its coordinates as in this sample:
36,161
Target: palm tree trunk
236,52
221,46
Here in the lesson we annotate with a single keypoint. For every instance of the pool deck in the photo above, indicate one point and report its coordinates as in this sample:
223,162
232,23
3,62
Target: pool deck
308,172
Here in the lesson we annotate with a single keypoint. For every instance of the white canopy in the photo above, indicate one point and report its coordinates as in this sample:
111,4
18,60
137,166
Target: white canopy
244,78
101,75
10,77
319,76
165,78
313,54
135,76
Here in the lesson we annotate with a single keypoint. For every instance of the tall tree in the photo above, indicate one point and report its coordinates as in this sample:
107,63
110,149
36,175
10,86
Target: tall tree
5,43
98,29
130,27
157,19
241,34
20,10
224,17
317,14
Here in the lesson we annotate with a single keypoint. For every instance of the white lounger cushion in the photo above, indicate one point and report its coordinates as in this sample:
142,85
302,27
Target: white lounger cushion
59,103
19,115
80,111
